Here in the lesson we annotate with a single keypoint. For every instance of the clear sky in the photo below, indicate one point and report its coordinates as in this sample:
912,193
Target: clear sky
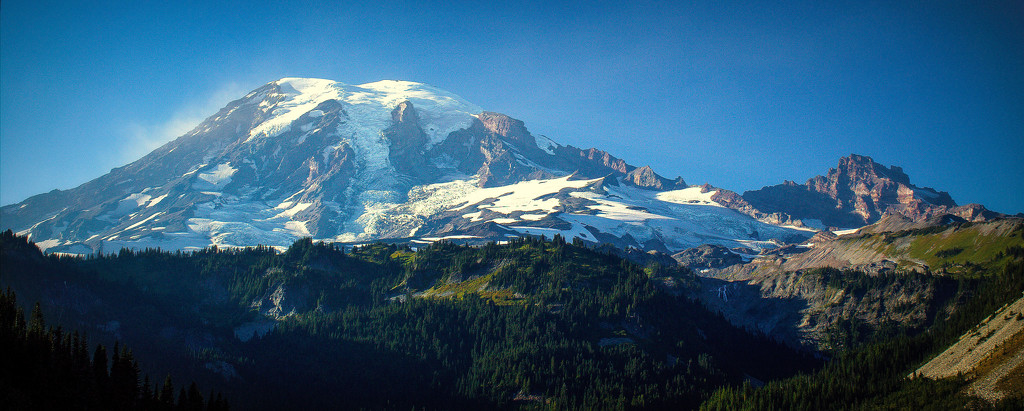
736,94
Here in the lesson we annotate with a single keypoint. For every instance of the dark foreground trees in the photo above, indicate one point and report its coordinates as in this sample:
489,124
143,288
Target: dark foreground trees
48,368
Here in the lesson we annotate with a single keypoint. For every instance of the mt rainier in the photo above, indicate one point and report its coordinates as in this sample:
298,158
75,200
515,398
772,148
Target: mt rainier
390,160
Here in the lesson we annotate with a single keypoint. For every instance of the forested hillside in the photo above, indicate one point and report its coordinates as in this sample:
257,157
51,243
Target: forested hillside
873,374
532,323
50,368
528,323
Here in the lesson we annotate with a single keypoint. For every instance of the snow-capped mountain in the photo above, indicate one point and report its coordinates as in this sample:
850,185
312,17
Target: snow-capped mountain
386,160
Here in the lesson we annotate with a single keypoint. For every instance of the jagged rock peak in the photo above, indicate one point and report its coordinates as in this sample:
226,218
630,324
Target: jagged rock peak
405,113
508,127
706,187
857,192
857,168
646,177
605,159
860,176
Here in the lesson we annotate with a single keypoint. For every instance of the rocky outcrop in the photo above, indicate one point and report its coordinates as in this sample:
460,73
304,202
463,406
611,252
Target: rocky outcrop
975,212
500,150
482,150
647,178
988,354
799,293
806,308
408,144
707,256
730,199
595,157
858,192
512,130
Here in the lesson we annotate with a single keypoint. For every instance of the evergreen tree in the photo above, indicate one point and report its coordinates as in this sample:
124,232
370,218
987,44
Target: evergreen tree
167,392
37,326
195,398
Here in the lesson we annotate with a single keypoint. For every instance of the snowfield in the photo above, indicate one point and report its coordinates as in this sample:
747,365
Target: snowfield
680,219
292,126
440,112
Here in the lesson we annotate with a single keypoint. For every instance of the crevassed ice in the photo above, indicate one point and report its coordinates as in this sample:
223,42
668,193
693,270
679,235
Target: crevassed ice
368,107
440,112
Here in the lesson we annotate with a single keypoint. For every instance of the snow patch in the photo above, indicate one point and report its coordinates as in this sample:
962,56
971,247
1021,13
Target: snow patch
303,95
290,209
129,204
297,228
215,179
689,195
47,244
156,201
143,221
546,144
526,196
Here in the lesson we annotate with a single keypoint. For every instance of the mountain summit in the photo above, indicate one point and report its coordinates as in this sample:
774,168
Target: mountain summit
404,161
385,160
857,192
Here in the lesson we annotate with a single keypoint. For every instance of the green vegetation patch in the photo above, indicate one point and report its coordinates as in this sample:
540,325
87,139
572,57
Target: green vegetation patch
964,249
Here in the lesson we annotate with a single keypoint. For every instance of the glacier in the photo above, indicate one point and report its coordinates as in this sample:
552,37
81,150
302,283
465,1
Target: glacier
388,160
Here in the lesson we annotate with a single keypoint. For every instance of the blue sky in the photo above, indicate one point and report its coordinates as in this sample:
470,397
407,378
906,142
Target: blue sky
737,94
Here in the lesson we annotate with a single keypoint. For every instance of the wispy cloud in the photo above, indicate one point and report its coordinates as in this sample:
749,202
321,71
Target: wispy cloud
141,138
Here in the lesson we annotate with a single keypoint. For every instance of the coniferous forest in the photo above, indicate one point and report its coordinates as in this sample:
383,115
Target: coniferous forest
48,368
530,324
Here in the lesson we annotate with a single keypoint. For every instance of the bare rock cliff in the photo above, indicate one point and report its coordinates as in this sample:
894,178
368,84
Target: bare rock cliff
858,192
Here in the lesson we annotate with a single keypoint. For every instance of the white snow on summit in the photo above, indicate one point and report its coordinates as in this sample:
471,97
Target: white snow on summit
303,96
440,112
375,201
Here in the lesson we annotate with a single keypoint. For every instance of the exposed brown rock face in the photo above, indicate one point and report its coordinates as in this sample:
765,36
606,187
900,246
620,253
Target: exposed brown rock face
481,149
730,199
782,292
858,192
500,150
646,177
602,158
408,143
974,212
509,128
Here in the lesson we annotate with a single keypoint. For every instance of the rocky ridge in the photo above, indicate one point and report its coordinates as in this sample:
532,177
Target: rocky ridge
859,191
800,292
999,335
